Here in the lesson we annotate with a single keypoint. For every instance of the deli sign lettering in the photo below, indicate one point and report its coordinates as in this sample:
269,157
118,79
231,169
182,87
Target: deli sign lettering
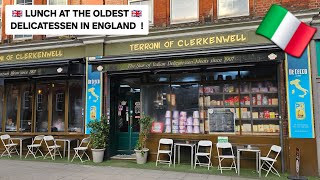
32,55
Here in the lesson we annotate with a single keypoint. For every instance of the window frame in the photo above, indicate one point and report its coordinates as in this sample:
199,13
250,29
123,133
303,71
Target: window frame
231,16
150,10
22,38
185,21
1,7
54,4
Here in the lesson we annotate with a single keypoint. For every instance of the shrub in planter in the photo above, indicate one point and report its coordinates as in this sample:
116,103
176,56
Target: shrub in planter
99,134
141,149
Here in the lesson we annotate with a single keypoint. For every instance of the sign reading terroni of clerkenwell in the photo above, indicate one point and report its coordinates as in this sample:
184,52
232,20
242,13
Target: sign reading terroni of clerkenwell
190,42
183,42
31,55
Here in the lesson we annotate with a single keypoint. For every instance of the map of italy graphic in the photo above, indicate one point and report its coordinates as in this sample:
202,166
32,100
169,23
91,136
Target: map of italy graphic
91,91
297,84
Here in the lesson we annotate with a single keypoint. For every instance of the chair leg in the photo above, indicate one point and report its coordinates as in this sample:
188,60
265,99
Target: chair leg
157,159
195,161
170,159
75,153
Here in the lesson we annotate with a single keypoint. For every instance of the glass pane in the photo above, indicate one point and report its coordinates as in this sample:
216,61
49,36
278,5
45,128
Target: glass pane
1,104
57,2
184,11
58,106
12,94
149,3
227,8
42,91
185,107
76,106
156,104
185,77
26,108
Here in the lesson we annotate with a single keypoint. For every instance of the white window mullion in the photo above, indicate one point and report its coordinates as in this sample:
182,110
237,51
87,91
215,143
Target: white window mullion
144,2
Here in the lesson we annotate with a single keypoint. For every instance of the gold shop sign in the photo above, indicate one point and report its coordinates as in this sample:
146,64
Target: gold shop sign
190,42
31,55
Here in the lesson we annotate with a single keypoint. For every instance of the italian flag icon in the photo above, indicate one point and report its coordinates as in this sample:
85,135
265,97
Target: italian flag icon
285,30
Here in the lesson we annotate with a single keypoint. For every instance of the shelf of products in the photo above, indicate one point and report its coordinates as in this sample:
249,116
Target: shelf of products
255,104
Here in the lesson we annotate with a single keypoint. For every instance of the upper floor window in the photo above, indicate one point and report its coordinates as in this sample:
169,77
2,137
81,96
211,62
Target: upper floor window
23,2
57,2
183,11
144,2
233,8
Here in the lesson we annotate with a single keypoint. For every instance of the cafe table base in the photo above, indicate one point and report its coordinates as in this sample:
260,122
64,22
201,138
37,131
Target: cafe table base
258,154
21,139
191,145
68,140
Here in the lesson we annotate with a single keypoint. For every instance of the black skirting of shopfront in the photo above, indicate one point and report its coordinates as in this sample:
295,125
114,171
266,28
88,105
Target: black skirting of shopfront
36,97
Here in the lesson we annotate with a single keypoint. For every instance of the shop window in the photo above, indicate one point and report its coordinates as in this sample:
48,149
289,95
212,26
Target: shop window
149,3
59,101
42,92
57,2
76,104
26,110
234,102
12,94
1,103
233,8
23,2
184,11
58,106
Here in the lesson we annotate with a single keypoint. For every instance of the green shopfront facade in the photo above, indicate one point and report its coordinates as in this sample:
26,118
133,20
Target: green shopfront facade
177,77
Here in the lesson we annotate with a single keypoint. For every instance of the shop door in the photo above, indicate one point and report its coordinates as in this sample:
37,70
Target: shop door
50,106
128,116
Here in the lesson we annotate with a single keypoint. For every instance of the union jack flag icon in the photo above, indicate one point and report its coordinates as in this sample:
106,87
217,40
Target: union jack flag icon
17,13
136,13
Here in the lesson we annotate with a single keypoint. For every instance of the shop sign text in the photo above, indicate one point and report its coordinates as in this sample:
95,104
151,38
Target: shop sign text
190,42
33,55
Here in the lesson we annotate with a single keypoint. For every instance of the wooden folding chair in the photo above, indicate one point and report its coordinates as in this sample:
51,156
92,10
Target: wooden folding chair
52,149
8,144
81,149
36,144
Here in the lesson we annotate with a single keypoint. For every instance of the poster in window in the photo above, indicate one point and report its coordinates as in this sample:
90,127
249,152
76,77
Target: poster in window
157,127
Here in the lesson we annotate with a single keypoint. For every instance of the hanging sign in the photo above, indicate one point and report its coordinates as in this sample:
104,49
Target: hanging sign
299,96
93,96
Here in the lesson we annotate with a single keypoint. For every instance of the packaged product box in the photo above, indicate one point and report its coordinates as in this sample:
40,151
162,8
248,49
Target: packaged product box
255,128
247,127
272,115
247,103
213,103
206,125
255,115
207,101
255,89
203,114
274,101
260,128
266,127
263,89
200,101
277,128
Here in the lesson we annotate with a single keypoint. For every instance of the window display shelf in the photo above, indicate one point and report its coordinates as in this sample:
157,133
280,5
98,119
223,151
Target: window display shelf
265,119
265,106
275,92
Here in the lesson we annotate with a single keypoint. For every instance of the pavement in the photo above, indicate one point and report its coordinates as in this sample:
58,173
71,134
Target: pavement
30,170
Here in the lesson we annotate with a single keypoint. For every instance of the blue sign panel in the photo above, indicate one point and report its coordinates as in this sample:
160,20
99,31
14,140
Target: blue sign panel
299,96
93,96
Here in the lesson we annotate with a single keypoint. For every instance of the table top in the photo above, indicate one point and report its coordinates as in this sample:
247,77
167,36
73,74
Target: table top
66,139
252,149
21,138
185,144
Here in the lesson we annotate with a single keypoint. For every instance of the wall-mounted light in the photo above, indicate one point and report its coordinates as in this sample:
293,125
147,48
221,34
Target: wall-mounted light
59,70
100,68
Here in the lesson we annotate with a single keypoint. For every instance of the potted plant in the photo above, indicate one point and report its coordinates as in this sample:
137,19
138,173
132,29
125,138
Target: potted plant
99,134
141,150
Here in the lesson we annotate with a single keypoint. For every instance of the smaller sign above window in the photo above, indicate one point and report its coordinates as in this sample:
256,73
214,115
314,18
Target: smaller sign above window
233,8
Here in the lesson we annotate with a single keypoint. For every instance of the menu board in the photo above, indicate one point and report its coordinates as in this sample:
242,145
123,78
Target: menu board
221,120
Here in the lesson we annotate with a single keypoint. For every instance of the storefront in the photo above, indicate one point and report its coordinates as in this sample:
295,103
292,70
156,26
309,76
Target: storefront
43,91
196,84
